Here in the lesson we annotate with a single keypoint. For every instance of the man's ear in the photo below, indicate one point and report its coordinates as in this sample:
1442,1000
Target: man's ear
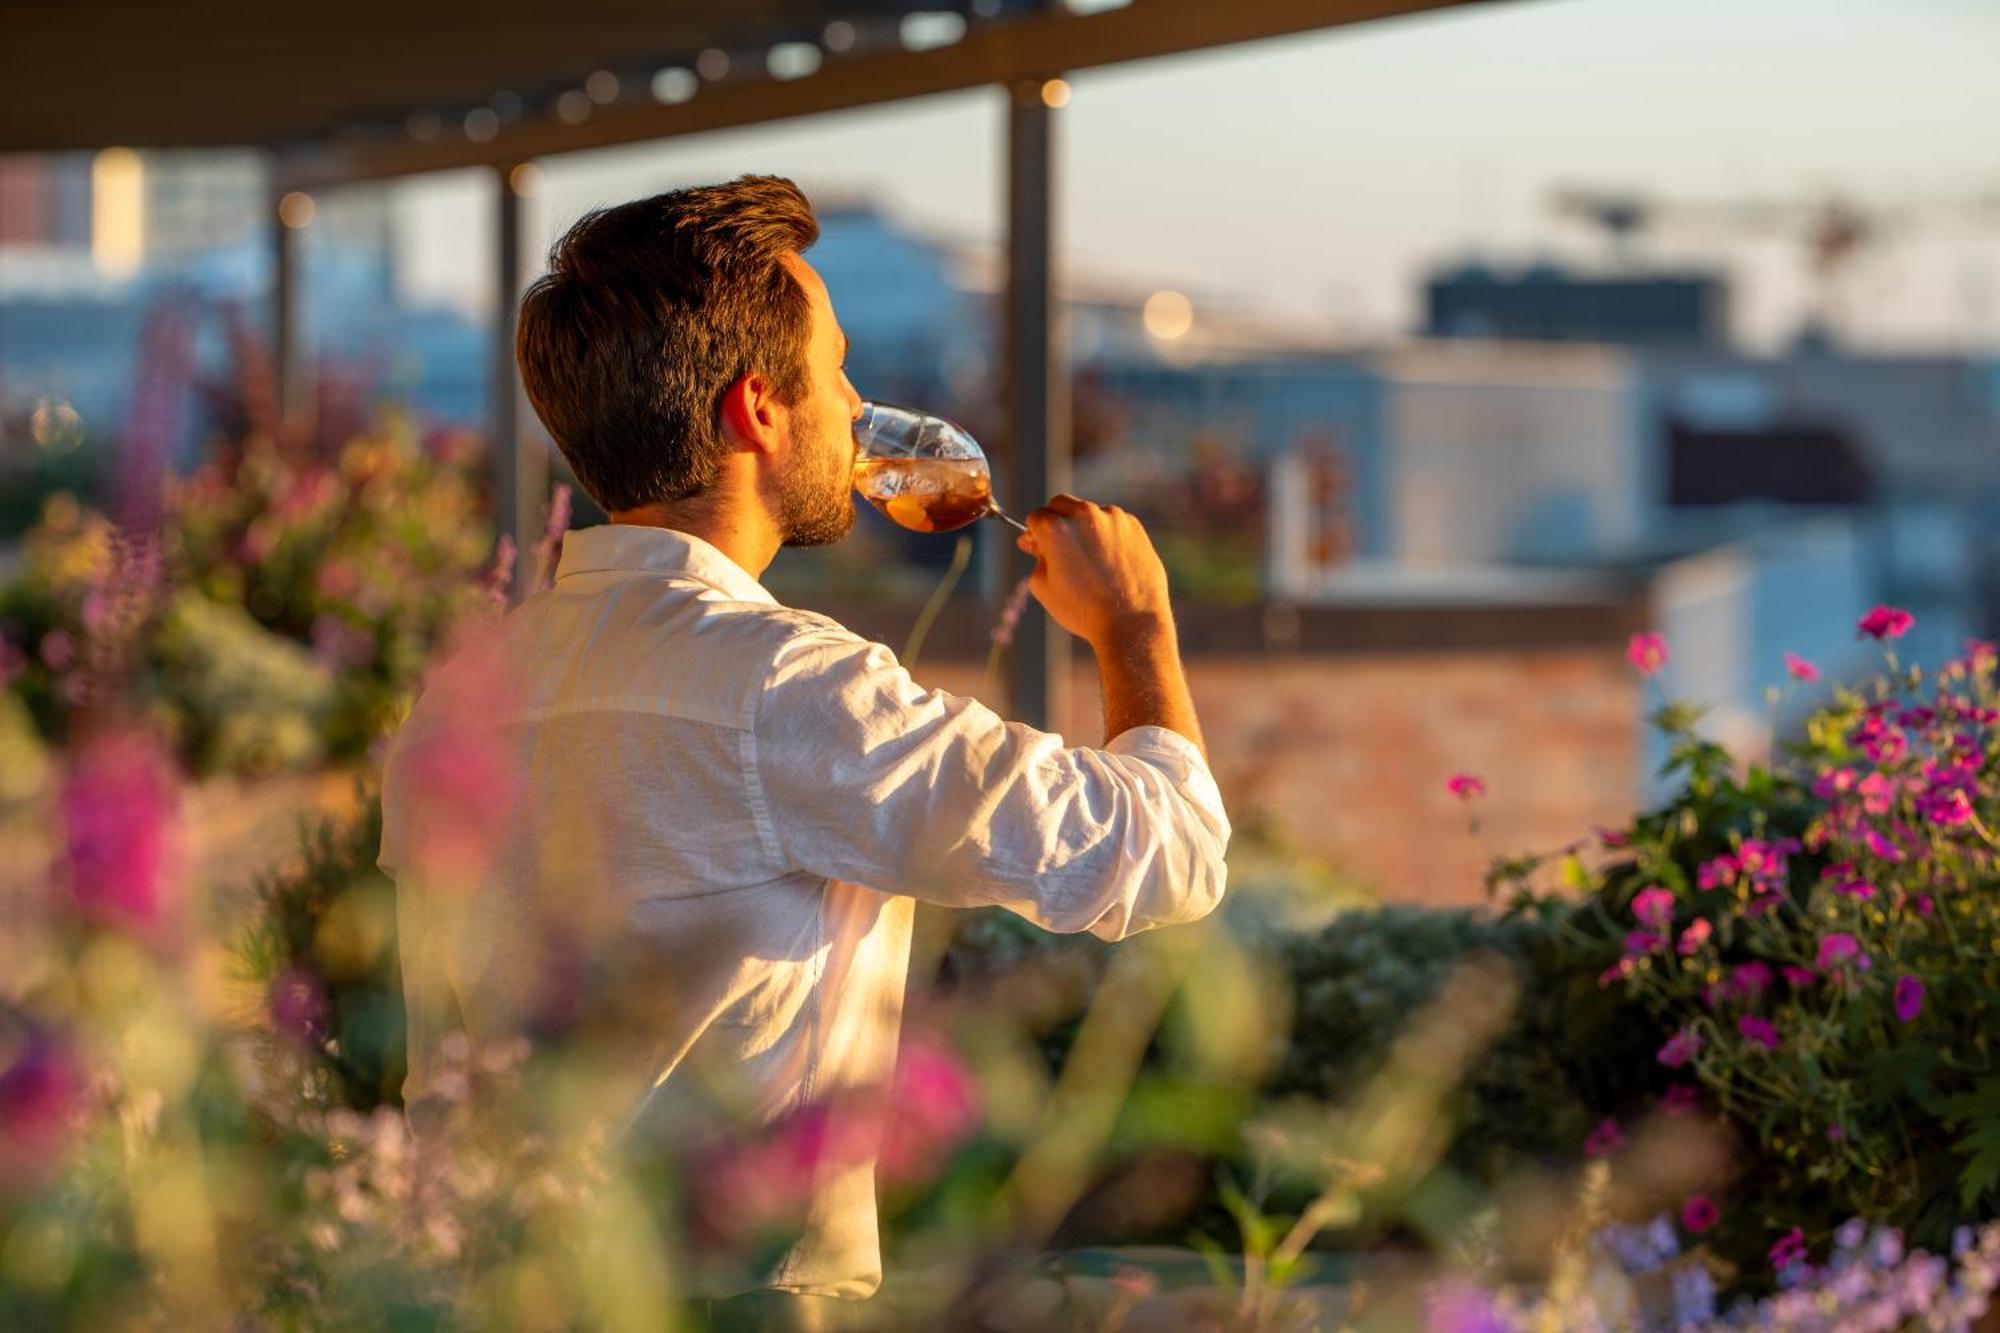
752,416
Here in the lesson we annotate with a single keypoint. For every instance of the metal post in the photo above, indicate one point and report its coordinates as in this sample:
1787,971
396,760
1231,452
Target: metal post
288,363
520,462
1037,400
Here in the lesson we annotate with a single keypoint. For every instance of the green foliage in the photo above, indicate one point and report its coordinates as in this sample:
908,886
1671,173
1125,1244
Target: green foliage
321,939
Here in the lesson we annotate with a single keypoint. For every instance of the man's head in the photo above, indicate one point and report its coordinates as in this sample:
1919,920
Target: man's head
674,333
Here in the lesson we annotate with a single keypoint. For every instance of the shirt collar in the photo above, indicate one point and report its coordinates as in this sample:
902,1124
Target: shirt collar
633,546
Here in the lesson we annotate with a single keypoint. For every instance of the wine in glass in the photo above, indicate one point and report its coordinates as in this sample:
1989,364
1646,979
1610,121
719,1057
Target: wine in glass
925,473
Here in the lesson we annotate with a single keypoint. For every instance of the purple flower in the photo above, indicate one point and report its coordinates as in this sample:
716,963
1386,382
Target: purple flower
1680,1048
1606,1139
1758,1030
1837,948
1010,617
1790,1249
1638,942
1653,906
1880,846
1909,998
1885,622
1749,980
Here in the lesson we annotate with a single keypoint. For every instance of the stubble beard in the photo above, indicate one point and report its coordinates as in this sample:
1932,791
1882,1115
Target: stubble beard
816,502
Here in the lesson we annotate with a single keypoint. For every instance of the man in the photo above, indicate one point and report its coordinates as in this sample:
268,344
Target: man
742,802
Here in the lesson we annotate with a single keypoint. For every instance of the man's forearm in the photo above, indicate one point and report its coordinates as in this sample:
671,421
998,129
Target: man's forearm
1144,684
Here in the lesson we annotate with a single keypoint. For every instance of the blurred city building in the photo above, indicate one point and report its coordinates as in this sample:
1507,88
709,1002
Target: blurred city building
1410,557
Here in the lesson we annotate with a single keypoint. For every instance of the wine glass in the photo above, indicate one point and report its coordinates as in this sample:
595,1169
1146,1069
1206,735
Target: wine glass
925,473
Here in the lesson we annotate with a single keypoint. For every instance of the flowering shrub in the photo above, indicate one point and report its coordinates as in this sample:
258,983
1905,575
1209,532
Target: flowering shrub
1817,947
282,616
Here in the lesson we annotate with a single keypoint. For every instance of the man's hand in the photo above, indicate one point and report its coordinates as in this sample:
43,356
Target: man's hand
1096,572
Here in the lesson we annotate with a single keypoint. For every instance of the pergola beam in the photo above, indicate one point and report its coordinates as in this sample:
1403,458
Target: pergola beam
1004,53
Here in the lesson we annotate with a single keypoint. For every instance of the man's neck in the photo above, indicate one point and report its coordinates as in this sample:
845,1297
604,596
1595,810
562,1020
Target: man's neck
749,539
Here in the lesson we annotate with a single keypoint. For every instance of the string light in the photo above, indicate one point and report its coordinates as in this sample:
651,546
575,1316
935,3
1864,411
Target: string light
674,85
602,87
712,64
1055,93
296,210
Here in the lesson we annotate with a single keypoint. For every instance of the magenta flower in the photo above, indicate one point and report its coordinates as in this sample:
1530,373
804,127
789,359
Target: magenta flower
1758,1030
1885,622
1800,669
1717,873
1695,936
298,1007
1749,980
1606,1139
40,1092
1679,1099
1639,942
1699,1213
1465,786
1837,948
1790,1249
1880,846
1909,998
1680,1048
1798,978
1877,793
1647,653
1653,906
934,1107
121,825
1980,655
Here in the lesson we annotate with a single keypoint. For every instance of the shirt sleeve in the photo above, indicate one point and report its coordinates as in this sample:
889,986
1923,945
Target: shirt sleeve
870,778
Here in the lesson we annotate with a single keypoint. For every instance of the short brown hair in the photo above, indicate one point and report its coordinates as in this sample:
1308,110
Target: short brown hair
648,313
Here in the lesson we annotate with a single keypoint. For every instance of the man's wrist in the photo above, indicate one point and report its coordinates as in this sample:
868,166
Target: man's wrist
1136,631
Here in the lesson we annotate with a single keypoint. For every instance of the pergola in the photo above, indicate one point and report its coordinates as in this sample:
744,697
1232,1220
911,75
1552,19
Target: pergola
342,92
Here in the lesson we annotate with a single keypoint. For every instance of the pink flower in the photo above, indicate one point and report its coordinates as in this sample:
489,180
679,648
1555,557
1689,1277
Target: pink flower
1836,949
1790,1249
1980,655
120,811
1717,873
1758,1030
1606,1139
1798,978
1653,906
1800,669
1465,786
1909,998
1877,793
1680,1048
1647,653
934,1107
1610,837
1695,936
1699,1213
1885,622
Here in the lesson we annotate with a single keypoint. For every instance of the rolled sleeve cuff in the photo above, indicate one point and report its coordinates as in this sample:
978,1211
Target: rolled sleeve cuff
1181,760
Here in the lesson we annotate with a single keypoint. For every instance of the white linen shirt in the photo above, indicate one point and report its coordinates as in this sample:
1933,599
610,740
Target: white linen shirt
755,797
